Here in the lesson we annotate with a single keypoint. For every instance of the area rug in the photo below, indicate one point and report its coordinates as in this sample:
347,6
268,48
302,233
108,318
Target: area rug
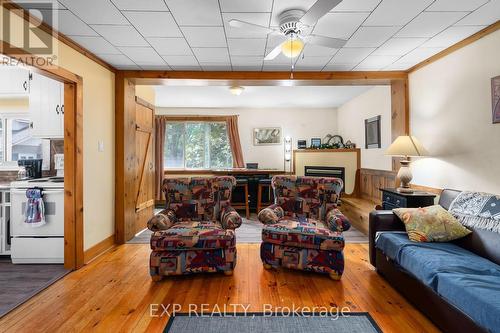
357,322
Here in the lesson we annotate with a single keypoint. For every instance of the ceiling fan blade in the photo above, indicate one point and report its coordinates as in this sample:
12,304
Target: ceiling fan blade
274,53
334,43
318,10
250,26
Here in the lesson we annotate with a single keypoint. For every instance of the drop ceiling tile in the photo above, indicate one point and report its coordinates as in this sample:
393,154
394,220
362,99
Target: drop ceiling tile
486,15
247,68
429,24
246,61
318,51
371,36
143,5
175,60
40,4
211,54
116,59
95,44
69,24
280,59
247,47
255,18
281,5
399,46
399,66
276,68
452,35
396,12
356,6
351,55
121,35
154,24
186,68
95,11
210,66
154,67
170,46
312,62
456,5
339,67
375,62
195,12
143,55
205,36
240,6
419,54
339,25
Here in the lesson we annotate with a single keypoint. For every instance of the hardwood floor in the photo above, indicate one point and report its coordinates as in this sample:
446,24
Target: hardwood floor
114,293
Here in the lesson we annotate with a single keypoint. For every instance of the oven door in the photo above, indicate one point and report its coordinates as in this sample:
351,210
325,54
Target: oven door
54,214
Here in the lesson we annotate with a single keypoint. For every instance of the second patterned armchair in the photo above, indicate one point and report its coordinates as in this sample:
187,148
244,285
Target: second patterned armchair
195,232
303,229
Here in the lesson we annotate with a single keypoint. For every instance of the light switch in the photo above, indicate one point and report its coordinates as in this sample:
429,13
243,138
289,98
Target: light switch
100,146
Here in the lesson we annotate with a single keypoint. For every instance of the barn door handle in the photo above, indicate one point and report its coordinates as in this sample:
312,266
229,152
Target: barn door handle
151,165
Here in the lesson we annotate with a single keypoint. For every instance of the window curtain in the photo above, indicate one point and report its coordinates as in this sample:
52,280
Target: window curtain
160,129
234,141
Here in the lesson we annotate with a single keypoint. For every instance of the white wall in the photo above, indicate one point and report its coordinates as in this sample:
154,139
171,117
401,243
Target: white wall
297,123
351,124
451,112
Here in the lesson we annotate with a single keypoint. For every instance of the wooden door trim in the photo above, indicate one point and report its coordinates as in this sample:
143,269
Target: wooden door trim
73,160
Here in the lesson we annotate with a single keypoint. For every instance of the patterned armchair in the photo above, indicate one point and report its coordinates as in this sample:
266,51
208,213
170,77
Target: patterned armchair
195,232
303,229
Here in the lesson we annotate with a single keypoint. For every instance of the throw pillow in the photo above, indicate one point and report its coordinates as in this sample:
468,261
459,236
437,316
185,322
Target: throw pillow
431,224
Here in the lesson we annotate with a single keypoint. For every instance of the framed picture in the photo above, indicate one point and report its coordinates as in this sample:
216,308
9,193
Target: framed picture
495,98
301,144
315,142
266,136
372,132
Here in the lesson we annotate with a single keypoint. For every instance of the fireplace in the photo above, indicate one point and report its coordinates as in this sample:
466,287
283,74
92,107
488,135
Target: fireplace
325,171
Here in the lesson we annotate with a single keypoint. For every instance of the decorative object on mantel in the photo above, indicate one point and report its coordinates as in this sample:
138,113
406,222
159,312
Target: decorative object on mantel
349,145
406,146
301,144
372,132
267,136
332,142
495,98
316,143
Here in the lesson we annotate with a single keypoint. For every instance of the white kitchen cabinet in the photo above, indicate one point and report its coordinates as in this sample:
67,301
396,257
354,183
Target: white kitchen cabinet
14,81
4,221
47,107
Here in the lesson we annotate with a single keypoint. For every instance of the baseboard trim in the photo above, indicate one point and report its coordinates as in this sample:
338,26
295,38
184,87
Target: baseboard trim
99,248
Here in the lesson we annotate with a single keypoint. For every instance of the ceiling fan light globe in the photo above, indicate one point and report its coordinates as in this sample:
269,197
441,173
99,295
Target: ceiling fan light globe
292,48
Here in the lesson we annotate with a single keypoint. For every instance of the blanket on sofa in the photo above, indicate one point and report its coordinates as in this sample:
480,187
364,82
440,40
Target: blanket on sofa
477,210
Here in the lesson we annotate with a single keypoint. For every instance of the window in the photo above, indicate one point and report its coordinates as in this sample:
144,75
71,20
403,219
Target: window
197,145
16,141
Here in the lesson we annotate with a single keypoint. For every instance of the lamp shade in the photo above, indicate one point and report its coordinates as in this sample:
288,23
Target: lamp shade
406,146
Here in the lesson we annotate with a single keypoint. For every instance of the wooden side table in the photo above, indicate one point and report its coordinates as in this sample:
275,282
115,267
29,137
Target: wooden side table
391,199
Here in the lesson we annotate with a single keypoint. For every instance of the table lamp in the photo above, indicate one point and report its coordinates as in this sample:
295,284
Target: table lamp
406,146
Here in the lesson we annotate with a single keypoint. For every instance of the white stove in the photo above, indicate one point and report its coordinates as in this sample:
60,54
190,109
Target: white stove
43,244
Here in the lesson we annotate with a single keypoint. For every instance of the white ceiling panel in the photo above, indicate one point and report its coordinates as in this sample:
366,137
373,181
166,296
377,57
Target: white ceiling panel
247,47
399,46
419,54
70,24
170,46
356,6
456,5
399,66
312,63
318,51
272,67
339,25
210,54
175,60
371,36
247,68
215,66
143,55
246,61
155,67
253,6
195,12
255,18
339,67
96,44
485,15
396,12
375,62
205,36
186,68
118,60
351,55
121,35
154,24
95,11
452,35
429,24
281,5
142,5
41,4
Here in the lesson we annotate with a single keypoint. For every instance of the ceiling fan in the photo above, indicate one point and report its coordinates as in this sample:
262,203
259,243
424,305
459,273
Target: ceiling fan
294,25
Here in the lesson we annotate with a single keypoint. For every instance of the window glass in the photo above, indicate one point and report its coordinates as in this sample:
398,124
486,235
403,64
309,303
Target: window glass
173,155
24,146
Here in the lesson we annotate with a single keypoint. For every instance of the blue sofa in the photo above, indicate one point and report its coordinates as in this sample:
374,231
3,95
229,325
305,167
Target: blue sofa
456,284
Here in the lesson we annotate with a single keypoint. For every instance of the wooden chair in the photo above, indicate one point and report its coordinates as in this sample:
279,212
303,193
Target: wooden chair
264,183
242,183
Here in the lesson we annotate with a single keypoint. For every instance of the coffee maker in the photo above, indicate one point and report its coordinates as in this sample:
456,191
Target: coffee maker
33,167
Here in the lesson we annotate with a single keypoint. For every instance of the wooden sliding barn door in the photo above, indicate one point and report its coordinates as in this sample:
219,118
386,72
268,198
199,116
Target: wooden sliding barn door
145,166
